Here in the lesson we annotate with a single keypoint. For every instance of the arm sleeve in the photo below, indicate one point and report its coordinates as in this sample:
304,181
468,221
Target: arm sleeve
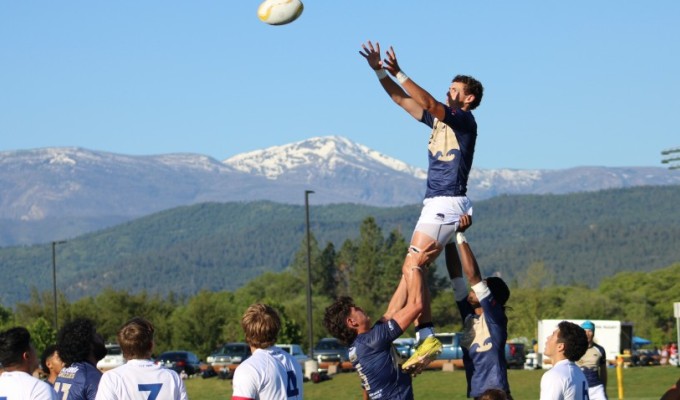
244,388
182,390
105,389
550,389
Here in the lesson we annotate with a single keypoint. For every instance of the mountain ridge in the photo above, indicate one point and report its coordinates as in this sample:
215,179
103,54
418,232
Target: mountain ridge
54,193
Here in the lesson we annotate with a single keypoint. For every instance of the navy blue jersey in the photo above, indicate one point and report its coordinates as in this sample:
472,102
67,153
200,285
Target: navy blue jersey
78,382
375,360
450,152
591,363
483,346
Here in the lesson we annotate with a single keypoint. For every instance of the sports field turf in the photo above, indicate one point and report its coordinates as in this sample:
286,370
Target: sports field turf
641,383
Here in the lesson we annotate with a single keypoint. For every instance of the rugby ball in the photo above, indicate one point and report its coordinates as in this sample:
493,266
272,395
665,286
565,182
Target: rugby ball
279,12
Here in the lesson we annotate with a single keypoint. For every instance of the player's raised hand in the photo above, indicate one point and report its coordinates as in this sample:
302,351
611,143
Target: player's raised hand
371,54
390,63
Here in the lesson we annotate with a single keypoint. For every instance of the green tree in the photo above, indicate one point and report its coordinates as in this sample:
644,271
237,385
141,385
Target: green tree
42,334
199,324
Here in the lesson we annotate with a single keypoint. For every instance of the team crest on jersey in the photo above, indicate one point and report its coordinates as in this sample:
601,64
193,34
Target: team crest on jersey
68,372
476,332
443,144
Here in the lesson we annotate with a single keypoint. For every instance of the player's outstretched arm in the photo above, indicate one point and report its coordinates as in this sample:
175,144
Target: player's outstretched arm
372,55
467,258
453,264
414,279
422,98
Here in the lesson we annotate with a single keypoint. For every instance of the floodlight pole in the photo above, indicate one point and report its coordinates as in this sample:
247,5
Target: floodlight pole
671,157
309,278
54,278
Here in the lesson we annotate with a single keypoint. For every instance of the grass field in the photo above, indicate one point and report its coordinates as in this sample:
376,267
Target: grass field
644,383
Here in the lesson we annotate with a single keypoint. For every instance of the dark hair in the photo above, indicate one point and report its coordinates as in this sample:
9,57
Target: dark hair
493,394
135,338
75,340
261,324
335,319
473,87
47,353
499,290
574,339
14,343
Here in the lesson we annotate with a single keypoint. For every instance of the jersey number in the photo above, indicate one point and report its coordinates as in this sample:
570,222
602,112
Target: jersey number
291,388
152,388
62,388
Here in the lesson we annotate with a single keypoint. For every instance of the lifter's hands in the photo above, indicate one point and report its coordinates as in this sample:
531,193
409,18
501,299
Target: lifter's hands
464,222
372,54
421,257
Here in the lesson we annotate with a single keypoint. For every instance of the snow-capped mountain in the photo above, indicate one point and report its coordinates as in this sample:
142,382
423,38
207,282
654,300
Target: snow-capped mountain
52,193
334,153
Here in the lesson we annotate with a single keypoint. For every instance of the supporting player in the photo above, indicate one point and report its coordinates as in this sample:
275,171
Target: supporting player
270,372
450,152
18,359
594,365
370,348
565,381
139,377
485,325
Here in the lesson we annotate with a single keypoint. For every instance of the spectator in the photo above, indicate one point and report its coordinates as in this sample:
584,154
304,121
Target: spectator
19,359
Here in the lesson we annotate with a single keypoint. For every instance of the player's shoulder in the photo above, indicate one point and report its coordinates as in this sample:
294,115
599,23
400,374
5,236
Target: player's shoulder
599,348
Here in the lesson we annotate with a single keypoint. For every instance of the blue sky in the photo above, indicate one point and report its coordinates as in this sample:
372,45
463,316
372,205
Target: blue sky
566,83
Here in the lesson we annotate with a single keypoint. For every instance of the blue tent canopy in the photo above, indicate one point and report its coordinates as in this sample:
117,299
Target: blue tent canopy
638,341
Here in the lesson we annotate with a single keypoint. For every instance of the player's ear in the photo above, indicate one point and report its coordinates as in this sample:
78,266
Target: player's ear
469,98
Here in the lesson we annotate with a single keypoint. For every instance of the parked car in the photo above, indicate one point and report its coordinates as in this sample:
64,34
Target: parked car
451,349
330,351
515,355
230,353
180,360
404,347
113,358
295,350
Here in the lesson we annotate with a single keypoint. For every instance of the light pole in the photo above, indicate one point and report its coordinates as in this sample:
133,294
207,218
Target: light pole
671,157
309,279
54,278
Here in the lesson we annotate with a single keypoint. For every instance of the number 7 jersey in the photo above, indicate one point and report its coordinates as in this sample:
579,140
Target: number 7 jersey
141,380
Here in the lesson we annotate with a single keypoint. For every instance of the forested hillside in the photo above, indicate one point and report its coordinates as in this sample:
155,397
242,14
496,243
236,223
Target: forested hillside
578,238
